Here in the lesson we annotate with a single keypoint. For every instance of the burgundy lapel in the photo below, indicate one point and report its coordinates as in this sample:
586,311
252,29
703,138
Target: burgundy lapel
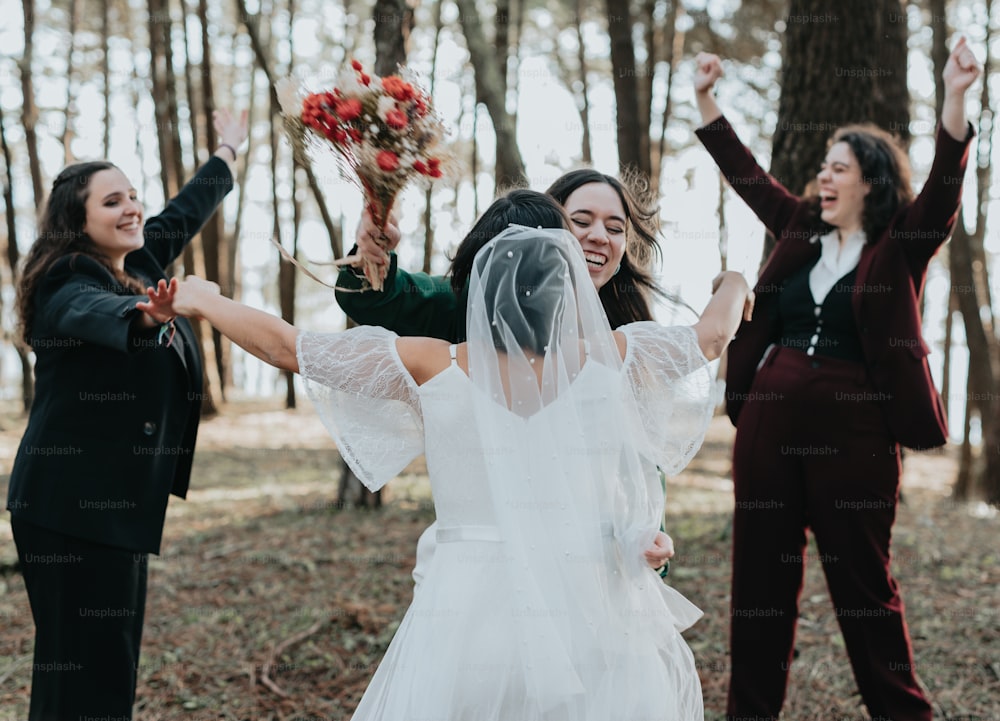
788,257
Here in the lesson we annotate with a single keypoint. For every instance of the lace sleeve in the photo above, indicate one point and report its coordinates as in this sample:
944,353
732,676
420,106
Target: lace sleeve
366,399
673,387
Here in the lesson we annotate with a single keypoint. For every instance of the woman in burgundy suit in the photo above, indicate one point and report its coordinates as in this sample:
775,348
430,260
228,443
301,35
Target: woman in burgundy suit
824,384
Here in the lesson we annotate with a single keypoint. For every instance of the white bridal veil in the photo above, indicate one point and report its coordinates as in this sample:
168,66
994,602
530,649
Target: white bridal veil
561,439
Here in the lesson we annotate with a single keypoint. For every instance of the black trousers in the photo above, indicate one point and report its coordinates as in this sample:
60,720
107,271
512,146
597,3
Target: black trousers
88,603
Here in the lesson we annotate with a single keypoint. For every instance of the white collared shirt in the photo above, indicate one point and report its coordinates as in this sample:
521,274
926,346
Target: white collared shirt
835,261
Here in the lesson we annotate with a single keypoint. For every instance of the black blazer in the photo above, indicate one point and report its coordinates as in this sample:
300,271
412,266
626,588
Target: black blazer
112,428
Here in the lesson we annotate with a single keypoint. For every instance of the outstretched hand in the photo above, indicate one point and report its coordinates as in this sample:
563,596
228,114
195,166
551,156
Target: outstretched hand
169,300
232,130
708,71
160,306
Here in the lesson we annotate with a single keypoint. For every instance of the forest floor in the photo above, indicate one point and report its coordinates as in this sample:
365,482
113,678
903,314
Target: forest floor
268,602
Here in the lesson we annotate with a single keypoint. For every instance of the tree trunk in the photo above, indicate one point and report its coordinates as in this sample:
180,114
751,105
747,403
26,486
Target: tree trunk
674,44
168,135
213,238
13,259
106,75
970,285
29,111
159,34
514,60
584,107
428,208
644,74
830,79
70,111
393,23
136,82
509,170
633,122
251,23
232,268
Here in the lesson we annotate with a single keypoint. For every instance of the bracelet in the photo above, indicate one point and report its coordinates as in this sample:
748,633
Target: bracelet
167,331
231,149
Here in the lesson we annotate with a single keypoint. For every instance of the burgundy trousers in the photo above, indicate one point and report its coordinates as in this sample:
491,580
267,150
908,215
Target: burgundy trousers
812,451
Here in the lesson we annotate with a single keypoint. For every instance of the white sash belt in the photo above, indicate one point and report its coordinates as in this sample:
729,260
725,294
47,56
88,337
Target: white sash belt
488,534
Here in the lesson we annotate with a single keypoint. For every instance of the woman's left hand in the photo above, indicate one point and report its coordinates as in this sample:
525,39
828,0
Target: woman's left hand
160,306
961,70
232,130
661,551
167,301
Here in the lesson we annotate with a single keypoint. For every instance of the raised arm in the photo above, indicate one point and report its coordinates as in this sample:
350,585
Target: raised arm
767,198
931,217
410,304
187,212
707,72
960,71
732,301
261,334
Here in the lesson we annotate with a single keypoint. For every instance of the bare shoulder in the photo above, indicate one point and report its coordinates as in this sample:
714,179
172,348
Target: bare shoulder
423,357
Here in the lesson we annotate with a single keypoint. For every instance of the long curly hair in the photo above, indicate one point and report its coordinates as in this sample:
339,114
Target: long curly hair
884,167
626,296
60,234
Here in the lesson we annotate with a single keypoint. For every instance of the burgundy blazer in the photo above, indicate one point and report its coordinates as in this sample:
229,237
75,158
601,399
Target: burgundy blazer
890,279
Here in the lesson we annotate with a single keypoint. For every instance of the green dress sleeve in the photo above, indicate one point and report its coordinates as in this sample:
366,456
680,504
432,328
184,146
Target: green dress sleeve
410,304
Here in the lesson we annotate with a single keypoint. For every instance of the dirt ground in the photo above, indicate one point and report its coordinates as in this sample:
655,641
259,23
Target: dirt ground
270,603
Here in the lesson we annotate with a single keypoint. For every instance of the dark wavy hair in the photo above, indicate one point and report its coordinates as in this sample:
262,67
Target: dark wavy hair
884,167
60,234
538,266
626,296
520,207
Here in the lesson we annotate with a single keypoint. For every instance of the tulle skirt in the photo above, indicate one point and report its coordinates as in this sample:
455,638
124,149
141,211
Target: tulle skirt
469,649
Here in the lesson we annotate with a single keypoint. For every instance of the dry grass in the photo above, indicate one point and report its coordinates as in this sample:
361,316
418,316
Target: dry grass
260,571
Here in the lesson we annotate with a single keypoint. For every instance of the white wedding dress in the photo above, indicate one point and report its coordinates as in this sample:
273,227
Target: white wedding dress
537,604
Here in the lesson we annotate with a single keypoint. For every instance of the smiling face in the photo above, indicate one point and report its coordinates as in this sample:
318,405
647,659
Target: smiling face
842,190
114,215
598,221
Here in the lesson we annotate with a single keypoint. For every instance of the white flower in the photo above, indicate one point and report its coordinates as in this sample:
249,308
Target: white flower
385,104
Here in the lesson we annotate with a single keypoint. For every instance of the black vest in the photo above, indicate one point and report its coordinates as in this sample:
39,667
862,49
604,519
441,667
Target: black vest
827,329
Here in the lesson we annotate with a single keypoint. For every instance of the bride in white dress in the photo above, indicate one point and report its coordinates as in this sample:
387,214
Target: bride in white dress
542,434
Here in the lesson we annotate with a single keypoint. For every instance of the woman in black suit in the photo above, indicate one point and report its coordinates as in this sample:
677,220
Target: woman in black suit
112,428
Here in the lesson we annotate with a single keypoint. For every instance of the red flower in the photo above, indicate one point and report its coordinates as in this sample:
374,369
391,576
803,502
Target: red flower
396,87
420,167
387,160
396,119
364,79
347,110
356,65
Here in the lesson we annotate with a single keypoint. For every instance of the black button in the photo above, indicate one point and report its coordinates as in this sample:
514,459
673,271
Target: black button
149,428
